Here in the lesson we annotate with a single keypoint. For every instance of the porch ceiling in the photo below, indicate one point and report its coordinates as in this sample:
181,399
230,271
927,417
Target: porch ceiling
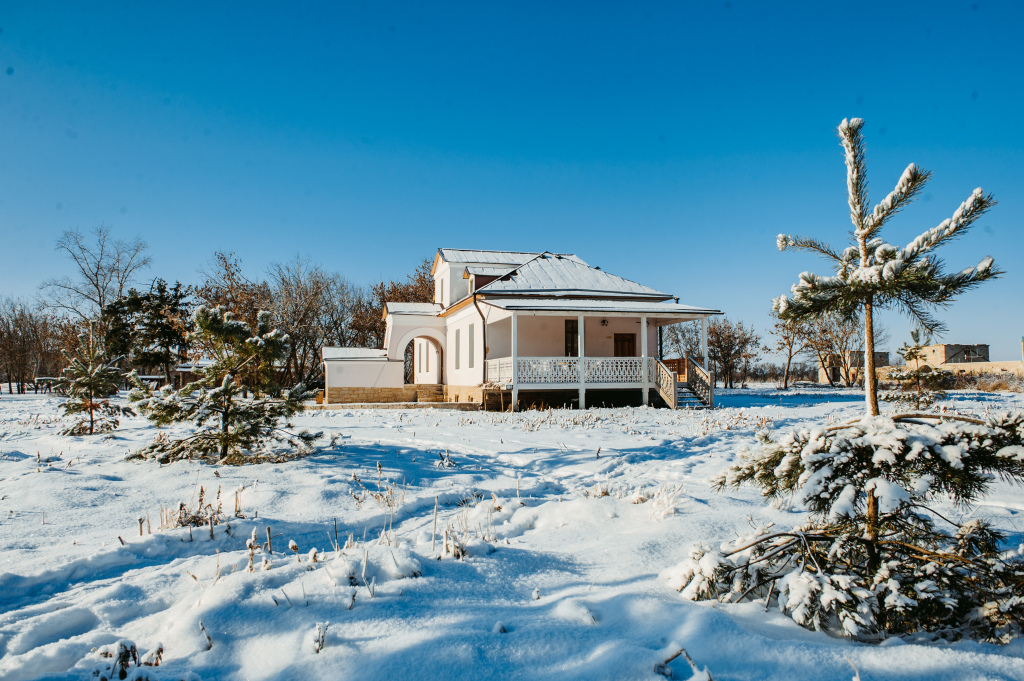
583,305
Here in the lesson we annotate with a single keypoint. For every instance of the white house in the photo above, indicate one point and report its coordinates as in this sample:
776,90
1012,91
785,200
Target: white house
507,323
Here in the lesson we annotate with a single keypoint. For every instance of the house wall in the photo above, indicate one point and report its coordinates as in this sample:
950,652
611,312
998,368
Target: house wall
600,340
464,374
364,374
951,353
544,336
499,338
454,287
1015,368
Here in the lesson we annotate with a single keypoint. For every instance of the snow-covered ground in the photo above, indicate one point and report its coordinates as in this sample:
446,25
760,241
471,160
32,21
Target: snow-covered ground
561,577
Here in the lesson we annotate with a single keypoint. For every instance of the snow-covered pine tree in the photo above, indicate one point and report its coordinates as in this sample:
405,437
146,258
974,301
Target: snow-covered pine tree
89,380
900,568
875,558
918,386
871,274
229,422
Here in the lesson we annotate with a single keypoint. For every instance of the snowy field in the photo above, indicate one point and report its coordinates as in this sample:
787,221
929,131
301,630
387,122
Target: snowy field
561,577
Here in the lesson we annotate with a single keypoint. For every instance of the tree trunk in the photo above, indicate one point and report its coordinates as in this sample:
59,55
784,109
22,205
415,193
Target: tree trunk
870,384
874,557
785,375
224,430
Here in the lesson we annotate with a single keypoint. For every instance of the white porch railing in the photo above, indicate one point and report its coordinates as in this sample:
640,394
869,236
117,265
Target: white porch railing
573,370
498,370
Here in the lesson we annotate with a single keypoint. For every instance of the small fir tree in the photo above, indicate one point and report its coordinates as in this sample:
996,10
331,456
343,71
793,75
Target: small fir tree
229,423
89,380
918,386
900,568
871,274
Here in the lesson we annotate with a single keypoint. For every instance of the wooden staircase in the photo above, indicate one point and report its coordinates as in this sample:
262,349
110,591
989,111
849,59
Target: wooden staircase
687,399
430,392
684,384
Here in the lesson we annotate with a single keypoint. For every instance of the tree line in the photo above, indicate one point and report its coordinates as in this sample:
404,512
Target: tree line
736,352
147,321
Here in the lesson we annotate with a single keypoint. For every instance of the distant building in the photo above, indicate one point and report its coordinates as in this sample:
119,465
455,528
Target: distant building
951,353
833,367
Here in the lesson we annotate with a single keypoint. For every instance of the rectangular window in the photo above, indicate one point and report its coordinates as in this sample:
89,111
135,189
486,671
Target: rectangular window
457,341
419,357
572,338
469,352
426,353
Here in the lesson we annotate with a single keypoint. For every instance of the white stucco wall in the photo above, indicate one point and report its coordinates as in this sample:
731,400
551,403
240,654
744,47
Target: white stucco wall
600,340
364,374
464,374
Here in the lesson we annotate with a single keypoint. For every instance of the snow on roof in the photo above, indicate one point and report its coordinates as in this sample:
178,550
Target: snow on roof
196,364
354,353
554,274
431,309
487,270
594,305
463,256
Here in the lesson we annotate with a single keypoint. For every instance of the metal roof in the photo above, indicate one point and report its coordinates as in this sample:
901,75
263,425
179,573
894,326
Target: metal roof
594,305
430,309
487,270
354,353
557,275
463,256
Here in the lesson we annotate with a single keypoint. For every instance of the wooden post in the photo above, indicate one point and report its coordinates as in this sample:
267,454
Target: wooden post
704,340
581,320
643,358
515,362
327,392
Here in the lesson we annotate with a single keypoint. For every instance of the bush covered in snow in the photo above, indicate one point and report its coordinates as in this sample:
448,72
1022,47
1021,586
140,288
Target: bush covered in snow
229,422
875,559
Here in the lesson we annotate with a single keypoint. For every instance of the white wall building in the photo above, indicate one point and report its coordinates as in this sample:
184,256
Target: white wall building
509,322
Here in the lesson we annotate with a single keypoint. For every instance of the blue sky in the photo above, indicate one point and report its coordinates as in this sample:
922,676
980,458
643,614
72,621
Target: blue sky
668,143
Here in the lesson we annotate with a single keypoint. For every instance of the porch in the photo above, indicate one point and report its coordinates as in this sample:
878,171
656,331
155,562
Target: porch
610,350
680,383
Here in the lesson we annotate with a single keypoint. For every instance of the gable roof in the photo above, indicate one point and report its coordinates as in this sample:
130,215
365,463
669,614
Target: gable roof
429,309
550,274
463,256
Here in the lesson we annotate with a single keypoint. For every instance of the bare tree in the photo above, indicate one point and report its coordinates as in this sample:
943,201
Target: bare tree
31,341
225,285
105,267
731,346
793,338
682,339
299,291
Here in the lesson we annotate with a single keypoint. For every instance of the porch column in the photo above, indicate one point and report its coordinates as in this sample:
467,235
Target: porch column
643,357
326,384
704,340
583,379
515,361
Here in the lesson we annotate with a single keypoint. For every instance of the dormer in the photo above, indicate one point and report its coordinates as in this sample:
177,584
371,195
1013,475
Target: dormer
458,273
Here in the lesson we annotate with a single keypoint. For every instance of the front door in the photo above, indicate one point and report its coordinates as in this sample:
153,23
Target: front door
625,345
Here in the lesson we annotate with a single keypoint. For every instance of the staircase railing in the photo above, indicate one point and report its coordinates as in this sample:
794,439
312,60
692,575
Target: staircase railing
700,382
665,379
